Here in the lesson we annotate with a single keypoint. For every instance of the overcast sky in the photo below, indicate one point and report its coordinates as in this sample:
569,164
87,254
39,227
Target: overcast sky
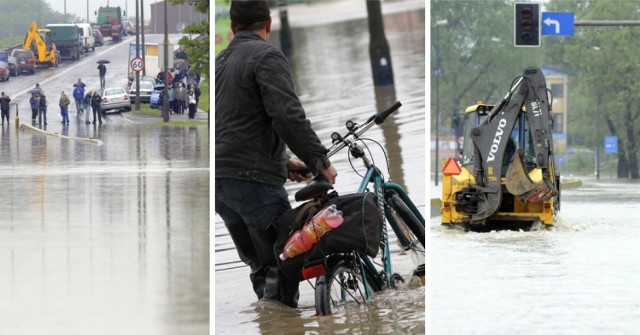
79,7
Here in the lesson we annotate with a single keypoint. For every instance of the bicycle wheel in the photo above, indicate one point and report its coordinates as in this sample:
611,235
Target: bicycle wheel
341,287
408,228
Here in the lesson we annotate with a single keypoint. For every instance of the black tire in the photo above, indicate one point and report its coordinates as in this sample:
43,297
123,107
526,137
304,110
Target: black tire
408,226
341,286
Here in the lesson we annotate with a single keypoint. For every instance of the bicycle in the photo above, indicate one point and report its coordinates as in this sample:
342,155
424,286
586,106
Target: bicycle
354,276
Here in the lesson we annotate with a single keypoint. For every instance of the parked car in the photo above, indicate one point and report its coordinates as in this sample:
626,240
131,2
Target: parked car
149,79
25,59
11,62
115,98
97,36
156,100
4,71
13,66
146,88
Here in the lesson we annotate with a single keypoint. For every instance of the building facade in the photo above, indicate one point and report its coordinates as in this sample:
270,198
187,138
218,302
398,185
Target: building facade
178,16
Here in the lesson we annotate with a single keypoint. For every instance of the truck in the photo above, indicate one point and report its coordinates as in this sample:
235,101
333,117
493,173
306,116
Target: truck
68,39
505,176
39,41
109,22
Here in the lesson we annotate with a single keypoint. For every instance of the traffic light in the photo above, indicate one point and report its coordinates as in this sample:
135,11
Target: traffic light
526,24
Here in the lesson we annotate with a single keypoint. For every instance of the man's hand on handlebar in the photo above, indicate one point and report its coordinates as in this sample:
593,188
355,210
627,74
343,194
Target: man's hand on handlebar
330,173
294,168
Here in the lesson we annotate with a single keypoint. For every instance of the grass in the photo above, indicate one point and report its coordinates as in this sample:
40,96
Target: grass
145,110
203,103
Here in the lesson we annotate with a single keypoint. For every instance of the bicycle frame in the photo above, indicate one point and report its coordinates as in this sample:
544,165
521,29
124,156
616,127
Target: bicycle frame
374,176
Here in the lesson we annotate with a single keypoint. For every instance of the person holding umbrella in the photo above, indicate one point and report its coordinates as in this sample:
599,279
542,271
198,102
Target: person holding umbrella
102,69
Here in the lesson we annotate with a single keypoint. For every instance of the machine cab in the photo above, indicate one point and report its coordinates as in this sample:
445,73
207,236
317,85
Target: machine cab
520,137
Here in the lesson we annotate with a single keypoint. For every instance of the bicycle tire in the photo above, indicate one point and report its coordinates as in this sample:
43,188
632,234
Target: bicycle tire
408,225
341,285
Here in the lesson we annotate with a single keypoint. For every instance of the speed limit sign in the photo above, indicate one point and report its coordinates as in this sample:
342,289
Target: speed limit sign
137,64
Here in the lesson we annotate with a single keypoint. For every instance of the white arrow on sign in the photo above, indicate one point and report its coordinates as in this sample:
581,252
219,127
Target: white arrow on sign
549,22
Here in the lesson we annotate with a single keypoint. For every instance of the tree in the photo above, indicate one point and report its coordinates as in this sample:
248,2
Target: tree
478,59
605,65
197,48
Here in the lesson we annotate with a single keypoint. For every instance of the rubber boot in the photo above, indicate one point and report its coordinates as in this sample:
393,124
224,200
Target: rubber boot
277,286
244,246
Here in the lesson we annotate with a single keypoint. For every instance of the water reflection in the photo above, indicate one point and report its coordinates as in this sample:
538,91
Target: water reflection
105,239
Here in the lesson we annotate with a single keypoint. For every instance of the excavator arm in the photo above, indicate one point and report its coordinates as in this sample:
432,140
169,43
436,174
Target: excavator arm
490,140
40,48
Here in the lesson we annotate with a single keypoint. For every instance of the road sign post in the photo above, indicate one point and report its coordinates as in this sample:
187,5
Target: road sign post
557,24
137,64
611,144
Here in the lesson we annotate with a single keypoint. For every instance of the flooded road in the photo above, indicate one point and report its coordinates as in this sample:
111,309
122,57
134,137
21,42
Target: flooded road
103,239
579,277
332,74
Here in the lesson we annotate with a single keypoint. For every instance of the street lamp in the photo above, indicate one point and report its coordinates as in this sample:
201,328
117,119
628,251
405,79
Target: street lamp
597,48
437,73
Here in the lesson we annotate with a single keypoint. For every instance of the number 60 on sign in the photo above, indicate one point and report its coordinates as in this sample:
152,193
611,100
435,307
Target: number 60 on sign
137,64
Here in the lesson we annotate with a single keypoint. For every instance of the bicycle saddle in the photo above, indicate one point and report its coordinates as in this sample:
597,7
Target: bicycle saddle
319,186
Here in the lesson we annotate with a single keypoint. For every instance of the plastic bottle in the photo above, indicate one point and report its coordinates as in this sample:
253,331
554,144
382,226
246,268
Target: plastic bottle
303,240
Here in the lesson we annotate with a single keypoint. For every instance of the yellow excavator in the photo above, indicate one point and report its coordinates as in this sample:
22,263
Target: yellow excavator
39,41
504,176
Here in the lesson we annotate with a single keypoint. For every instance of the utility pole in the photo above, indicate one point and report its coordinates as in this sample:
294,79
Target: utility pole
137,56
438,72
144,69
165,101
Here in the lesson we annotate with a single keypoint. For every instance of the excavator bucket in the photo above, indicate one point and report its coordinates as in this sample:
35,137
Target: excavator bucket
519,182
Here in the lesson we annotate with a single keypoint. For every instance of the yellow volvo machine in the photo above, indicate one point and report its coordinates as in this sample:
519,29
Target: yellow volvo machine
505,177
39,42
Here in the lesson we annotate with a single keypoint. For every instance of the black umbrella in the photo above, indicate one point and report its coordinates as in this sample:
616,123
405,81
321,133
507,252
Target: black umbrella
104,61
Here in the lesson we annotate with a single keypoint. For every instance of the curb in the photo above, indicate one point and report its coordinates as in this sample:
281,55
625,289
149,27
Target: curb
33,129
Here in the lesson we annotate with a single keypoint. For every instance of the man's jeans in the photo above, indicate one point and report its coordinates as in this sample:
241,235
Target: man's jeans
247,207
79,105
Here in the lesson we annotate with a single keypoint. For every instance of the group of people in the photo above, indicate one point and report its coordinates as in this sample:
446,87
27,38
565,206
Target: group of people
86,102
181,99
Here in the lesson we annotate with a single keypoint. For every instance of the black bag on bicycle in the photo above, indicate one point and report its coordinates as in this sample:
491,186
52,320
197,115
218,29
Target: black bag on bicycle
359,231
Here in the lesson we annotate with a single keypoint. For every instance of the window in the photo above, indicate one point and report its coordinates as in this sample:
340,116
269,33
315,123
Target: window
557,90
558,122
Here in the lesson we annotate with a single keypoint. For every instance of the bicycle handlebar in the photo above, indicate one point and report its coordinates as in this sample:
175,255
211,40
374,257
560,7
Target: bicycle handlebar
380,117
320,185
377,118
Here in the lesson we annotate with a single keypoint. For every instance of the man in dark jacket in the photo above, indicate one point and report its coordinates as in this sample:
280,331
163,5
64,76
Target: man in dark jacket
4,107
34,103
257,114
42,109
102,70
95,106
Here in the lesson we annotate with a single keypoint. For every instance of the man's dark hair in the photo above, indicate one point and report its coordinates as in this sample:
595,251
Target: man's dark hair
249,15
252,26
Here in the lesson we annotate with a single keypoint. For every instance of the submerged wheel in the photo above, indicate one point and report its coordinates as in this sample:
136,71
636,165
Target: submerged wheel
342,287
409,230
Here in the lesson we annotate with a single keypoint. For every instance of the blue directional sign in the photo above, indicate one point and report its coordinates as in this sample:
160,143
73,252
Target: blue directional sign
611,144
557,24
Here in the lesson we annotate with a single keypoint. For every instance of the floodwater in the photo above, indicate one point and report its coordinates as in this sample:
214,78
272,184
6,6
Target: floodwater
333,79
579,277
104,239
